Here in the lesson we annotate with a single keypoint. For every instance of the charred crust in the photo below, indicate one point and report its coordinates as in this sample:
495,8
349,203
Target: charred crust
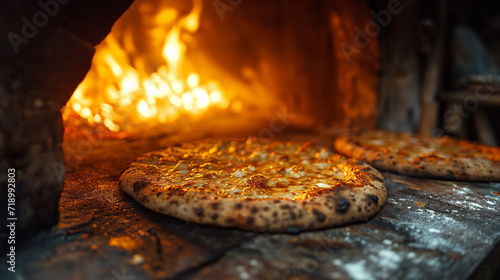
319,215
342,205
275,214
198,211
159,193
230,221
254,210
238,206
215,216
215,205
293,216
139,185
377,178
373,198
249,220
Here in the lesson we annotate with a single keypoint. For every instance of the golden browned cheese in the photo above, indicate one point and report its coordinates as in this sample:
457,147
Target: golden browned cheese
414,146
249,169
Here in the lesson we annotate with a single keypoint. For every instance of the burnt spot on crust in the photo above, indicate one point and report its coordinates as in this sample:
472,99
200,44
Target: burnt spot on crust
215,216
175,191
373,198
215,205
198,211
319,215
257,181
293,216
249,220
275,214
254,210
366,169
377,178
159,193
230,221
342,205
139,185
238,206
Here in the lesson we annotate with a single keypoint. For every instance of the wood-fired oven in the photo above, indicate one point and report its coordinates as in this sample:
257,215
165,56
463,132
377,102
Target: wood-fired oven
88,86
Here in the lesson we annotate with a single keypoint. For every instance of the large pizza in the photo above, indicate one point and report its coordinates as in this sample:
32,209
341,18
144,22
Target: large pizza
255,185
414,155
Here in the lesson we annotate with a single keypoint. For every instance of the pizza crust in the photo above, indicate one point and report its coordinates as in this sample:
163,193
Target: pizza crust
342,203
442,158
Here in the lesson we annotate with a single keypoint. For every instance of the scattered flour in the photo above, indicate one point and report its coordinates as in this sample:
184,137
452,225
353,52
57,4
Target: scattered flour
389,259
358,271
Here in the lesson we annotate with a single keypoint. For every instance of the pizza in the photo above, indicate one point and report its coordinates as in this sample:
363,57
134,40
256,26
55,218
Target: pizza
255,185
430,157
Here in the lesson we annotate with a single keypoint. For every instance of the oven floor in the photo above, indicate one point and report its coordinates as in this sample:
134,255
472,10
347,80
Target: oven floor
428,229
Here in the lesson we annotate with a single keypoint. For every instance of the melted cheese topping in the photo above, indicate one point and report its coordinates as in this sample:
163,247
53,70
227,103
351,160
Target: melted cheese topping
252,169
414,147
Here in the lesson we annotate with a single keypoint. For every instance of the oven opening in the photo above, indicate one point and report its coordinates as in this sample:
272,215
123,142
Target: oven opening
169,65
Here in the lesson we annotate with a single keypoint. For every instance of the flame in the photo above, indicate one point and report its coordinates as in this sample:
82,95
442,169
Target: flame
122,93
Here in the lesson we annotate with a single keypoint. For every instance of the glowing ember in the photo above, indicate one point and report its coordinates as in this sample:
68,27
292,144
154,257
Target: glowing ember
122,93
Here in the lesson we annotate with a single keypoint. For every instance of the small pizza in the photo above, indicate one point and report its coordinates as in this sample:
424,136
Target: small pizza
413,155
253,185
